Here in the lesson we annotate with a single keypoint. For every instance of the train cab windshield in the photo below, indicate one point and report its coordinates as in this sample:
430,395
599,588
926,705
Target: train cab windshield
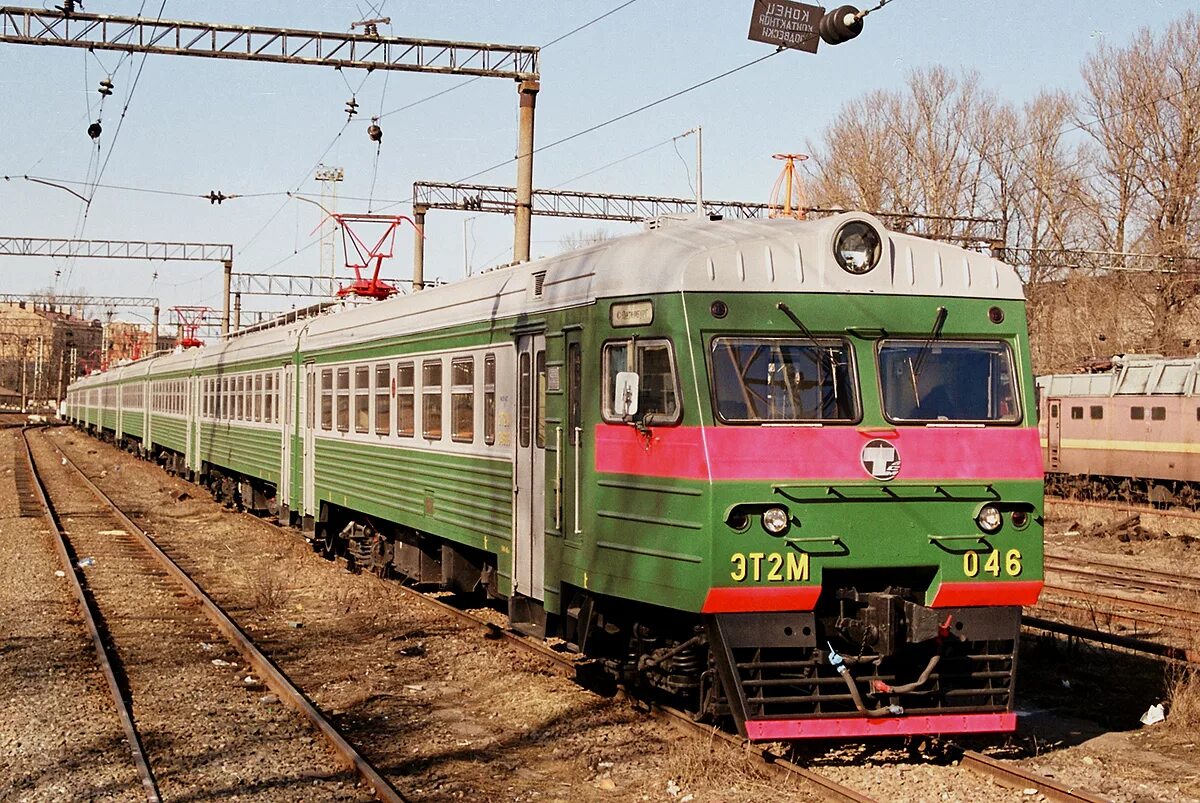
951,381
772,380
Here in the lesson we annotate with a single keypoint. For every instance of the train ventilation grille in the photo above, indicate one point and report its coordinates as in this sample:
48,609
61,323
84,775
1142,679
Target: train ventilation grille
539,282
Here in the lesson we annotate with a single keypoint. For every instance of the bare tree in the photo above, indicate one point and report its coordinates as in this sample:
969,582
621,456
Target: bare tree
1146,101
915,151
582,239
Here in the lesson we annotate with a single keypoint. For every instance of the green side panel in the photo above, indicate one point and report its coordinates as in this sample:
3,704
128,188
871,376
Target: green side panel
648,539
465,499
108,419
247,450
170,433
133,424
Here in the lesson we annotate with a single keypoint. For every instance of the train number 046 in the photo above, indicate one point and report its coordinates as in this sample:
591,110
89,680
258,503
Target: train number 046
991,563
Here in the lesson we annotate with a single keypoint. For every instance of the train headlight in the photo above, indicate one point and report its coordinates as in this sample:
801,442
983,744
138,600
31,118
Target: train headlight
989,519
857,247
775,520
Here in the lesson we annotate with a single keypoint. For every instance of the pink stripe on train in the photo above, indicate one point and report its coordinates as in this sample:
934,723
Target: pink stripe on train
817,453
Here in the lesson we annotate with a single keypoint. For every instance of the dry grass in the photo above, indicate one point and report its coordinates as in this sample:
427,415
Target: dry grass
1183,698
713,764
271,589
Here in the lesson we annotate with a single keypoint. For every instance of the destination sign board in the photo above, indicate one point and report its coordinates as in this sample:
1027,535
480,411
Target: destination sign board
784,23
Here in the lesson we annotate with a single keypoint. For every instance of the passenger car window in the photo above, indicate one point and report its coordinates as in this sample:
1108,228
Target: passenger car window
658,385
383,399
1097,412
489,399
1137,413
949,380
405,404
343,399
362,398
462,399
327,398
1077,413
431,399
1158,413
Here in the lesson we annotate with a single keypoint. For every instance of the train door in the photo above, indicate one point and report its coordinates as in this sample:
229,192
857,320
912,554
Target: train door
572,446
529,487
1053,432
287,415
308,403
120,412
190,450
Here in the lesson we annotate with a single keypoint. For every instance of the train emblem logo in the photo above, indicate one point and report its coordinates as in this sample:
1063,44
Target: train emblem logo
881,459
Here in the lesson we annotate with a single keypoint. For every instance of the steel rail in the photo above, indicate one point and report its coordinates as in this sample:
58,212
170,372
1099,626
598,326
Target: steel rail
829,789
272,674
1169,611
1017,777
1112,639
1065,608
1170,577
1124,576
89,614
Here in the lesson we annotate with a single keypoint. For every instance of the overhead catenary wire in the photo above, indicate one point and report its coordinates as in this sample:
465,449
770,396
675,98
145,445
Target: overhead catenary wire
617,118
469,81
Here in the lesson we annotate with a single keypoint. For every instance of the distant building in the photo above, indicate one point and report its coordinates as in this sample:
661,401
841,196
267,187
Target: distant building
43,348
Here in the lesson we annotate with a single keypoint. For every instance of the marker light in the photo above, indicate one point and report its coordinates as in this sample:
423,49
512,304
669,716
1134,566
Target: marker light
857,247
775,520
989,519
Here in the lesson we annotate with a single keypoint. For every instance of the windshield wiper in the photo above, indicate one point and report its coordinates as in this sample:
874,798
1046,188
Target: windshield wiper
938,322
821,350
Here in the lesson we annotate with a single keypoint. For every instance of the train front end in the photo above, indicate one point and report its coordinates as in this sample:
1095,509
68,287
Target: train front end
876,491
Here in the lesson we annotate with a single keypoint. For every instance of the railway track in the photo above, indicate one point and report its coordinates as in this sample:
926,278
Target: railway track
826,788
1104,612
161,607
1132,578
1125,507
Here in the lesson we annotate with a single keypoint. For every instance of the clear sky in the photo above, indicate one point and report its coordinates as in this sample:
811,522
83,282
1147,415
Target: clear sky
195,125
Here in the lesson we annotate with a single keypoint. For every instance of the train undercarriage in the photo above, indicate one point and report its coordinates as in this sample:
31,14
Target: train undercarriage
862,663
1133,490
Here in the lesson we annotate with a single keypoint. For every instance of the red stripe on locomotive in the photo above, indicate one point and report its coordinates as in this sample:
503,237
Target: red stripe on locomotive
811,453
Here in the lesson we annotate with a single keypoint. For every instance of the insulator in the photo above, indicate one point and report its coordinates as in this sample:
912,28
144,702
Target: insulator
840,25
375,132
106,87
94,130
351,107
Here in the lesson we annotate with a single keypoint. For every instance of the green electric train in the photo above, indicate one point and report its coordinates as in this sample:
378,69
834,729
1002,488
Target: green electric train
787,471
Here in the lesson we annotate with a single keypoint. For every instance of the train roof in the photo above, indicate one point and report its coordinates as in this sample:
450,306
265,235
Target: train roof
1131,375
783,255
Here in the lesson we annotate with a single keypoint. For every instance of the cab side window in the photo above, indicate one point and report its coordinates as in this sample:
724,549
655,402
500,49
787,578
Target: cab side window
653,360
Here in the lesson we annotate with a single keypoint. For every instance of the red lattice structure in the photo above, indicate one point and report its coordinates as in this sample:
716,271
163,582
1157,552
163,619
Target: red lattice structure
362,257
190,319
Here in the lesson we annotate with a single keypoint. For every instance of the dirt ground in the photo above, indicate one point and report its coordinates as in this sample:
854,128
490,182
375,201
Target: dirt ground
59,736
445,712
1085,701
